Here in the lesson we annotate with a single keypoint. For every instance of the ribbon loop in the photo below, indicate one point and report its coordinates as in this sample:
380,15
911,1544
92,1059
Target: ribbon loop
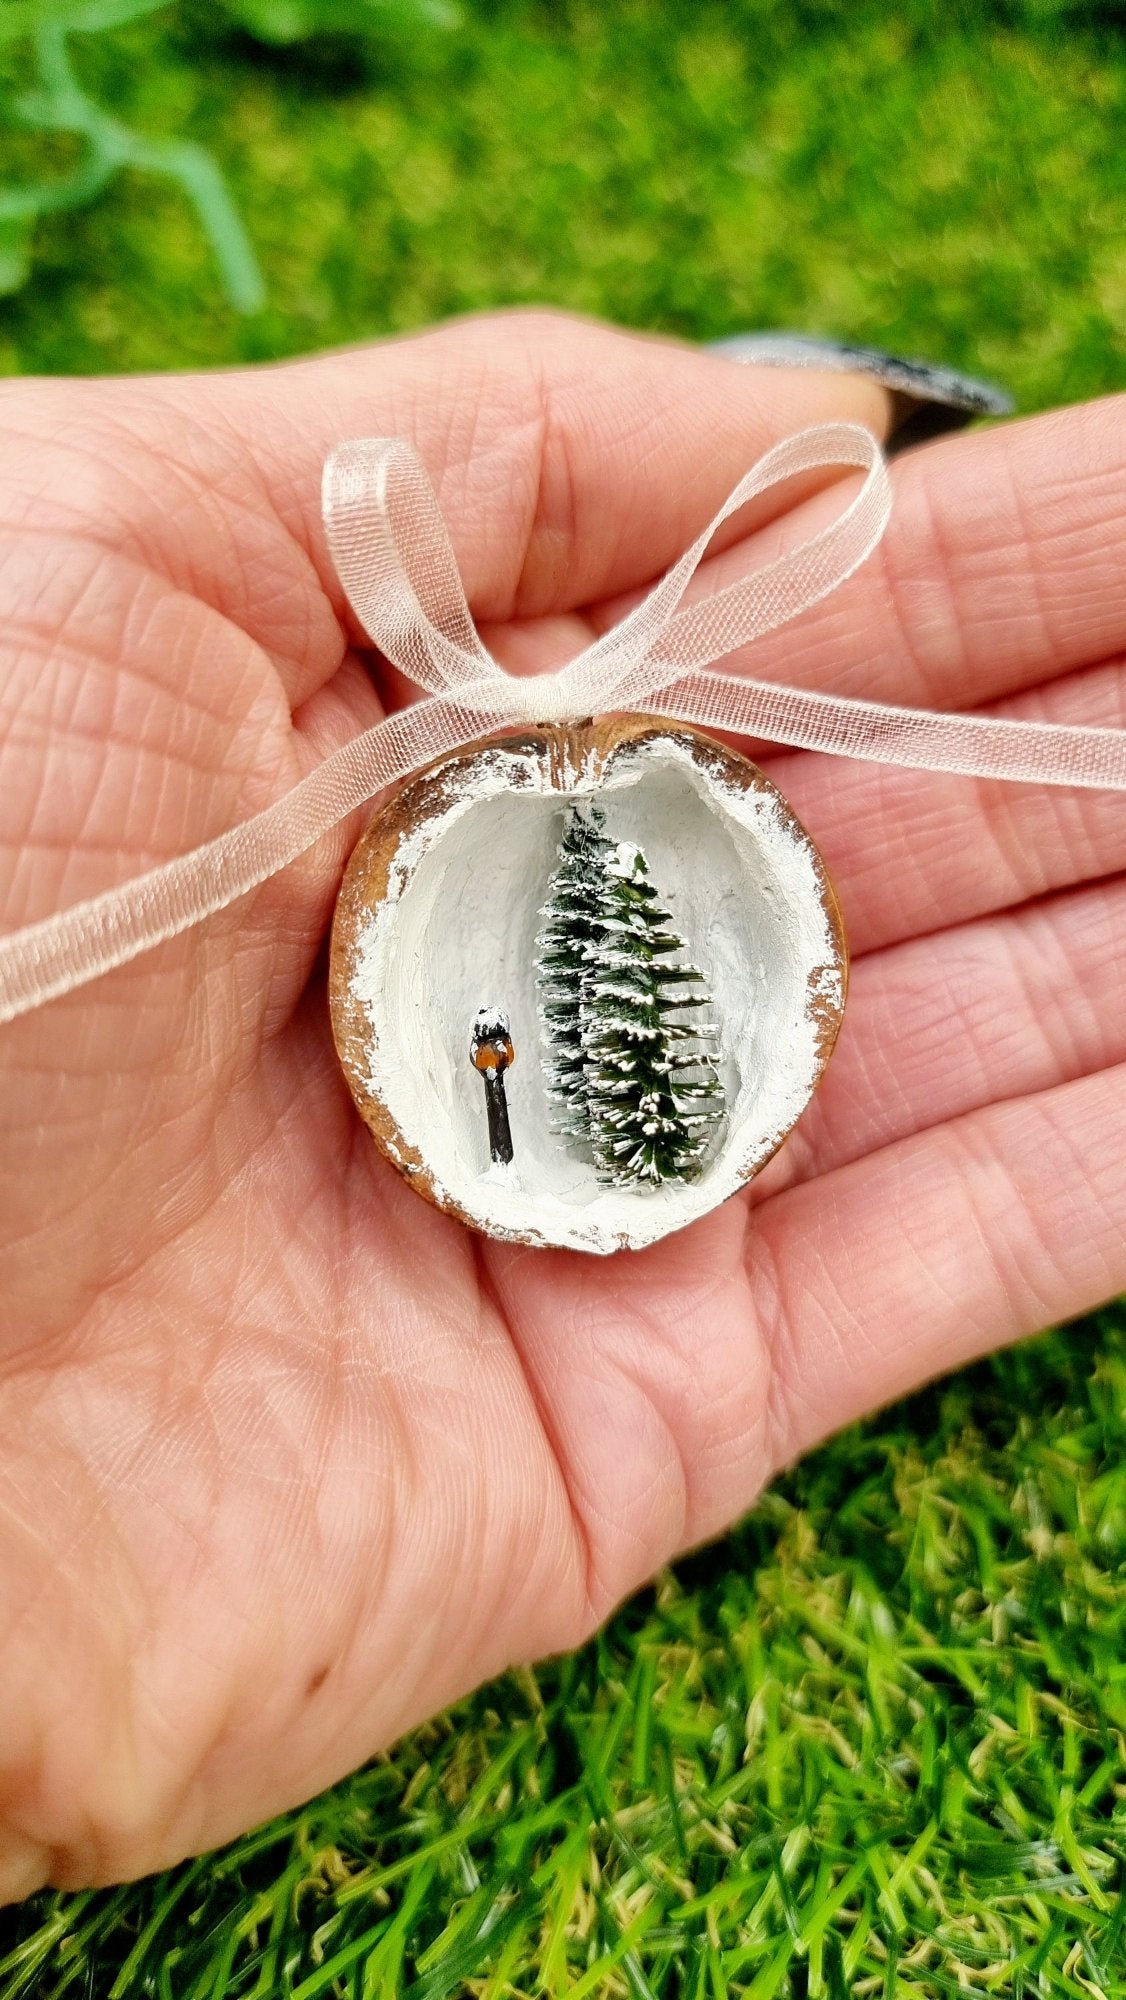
394,557
400,575
667,638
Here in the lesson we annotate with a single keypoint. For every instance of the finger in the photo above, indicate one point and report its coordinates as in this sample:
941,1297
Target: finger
947,1024
571,459
1000,569
659,1353
913,851
652,1384
898,1268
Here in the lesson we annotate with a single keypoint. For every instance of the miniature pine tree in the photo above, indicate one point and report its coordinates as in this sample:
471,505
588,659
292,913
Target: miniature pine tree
654,1096
571,916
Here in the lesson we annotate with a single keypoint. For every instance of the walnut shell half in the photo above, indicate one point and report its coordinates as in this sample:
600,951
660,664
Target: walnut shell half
437,918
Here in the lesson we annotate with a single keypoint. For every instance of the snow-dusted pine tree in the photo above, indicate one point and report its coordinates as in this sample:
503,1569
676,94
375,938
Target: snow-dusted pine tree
574,898
653,1092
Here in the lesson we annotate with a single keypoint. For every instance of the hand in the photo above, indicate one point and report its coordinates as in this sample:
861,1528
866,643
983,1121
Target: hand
287,1458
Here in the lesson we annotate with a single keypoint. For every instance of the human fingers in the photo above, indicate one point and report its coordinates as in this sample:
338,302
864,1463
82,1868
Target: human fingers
571,460
912,851
652,1387
945,1024
1000,569
657,1368
897,1268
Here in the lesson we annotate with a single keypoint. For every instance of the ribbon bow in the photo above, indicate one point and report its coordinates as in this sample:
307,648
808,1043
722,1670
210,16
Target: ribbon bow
395,560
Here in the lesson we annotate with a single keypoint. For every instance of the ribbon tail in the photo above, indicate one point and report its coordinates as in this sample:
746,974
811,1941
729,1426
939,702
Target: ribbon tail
47,959
970,746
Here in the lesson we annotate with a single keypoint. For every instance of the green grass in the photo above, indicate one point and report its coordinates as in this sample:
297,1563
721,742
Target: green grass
698,168
873,1743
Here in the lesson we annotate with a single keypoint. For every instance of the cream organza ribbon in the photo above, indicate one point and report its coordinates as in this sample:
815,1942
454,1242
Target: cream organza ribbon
397,566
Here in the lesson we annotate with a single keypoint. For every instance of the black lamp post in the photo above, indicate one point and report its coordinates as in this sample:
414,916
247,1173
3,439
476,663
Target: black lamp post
492,1053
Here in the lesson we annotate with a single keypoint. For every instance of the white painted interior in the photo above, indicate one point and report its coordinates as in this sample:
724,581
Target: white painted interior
457,932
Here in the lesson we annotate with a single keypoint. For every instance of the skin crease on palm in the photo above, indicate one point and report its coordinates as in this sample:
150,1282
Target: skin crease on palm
288,1460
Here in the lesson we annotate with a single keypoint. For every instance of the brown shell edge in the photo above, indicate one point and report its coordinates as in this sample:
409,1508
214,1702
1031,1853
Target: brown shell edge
567,750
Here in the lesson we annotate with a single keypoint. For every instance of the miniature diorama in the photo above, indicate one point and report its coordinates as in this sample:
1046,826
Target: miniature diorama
667,947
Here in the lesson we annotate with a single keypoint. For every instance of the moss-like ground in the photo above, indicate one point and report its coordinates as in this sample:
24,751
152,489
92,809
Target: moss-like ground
872,1744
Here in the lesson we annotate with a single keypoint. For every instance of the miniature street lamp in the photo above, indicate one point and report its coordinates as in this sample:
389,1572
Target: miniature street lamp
492,1052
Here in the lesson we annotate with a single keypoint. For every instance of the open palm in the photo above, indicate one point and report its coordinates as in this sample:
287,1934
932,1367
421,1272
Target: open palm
287,1458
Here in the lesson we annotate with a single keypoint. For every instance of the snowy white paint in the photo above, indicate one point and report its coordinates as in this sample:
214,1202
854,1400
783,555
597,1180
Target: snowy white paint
458,924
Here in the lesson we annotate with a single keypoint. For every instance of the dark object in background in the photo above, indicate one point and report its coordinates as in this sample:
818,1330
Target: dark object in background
928,399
